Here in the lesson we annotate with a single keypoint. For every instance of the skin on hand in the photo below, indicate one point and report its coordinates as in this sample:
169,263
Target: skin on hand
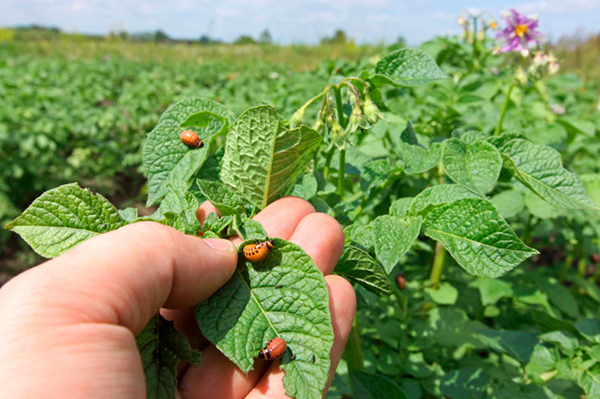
68,325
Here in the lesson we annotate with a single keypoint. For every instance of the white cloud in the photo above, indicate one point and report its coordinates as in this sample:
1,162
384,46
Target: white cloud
76,6
558,6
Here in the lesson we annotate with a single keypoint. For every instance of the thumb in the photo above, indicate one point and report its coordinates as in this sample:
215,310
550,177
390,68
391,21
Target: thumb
124,277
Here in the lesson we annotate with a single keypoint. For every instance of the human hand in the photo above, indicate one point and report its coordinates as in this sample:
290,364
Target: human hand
68,325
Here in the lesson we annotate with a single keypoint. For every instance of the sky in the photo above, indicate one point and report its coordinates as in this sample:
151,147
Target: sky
297,21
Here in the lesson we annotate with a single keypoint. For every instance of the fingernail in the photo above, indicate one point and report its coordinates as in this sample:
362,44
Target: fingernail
220,244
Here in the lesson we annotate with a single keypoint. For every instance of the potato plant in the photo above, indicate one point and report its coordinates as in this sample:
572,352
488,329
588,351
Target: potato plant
428,191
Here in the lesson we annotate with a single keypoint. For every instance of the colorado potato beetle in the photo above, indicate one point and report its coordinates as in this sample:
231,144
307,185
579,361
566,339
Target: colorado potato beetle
259,251
401,281
274,349
190,138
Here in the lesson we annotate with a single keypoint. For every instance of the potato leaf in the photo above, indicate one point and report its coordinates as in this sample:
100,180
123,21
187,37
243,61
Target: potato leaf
438,195
166,158
64,217
358,266
375,386
262,159
393,238
161,347
283,296
407,67
475,166
540,169
477,237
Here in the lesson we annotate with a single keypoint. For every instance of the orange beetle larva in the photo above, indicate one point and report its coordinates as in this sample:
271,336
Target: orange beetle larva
259,251
190,138
274,349
401,281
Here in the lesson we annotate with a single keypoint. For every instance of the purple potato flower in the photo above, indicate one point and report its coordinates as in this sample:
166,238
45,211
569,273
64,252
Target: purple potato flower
520,32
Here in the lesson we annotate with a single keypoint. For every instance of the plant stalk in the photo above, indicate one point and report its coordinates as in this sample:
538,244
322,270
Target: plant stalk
342,121
328,159
353,352
565,269
438,265
342,174
504,107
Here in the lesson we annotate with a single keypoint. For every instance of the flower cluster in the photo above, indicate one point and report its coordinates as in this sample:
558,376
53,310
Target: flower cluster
364,112
520,32
542,60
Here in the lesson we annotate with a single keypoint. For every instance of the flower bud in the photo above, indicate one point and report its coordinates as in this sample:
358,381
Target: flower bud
319,125
371,111
521,76
357,119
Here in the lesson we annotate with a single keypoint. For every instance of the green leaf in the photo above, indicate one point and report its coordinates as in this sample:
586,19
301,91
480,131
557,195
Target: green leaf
465,383
445,294
547,323
64,217
358,266
361,235
561,297
400,207
248,229
282,296
375,386
509,203
517,344
477,237
211,168
393,238
408,135
407,67
376,172
178,209
438,195
418,159
492,290
589,328
128,214
217,225
566,341
543,359
262,160
578,126
589,380
226,201
166,158
306,187
161,347
540,169
475,166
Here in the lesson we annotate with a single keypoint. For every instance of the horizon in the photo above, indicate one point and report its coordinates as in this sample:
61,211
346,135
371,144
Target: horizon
379,21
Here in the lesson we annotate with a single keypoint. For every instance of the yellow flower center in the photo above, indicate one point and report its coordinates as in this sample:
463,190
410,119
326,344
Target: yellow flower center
493,25
520,30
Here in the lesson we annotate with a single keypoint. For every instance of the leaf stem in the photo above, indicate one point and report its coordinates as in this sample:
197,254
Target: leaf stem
504,107
438,265
566,267
353,352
